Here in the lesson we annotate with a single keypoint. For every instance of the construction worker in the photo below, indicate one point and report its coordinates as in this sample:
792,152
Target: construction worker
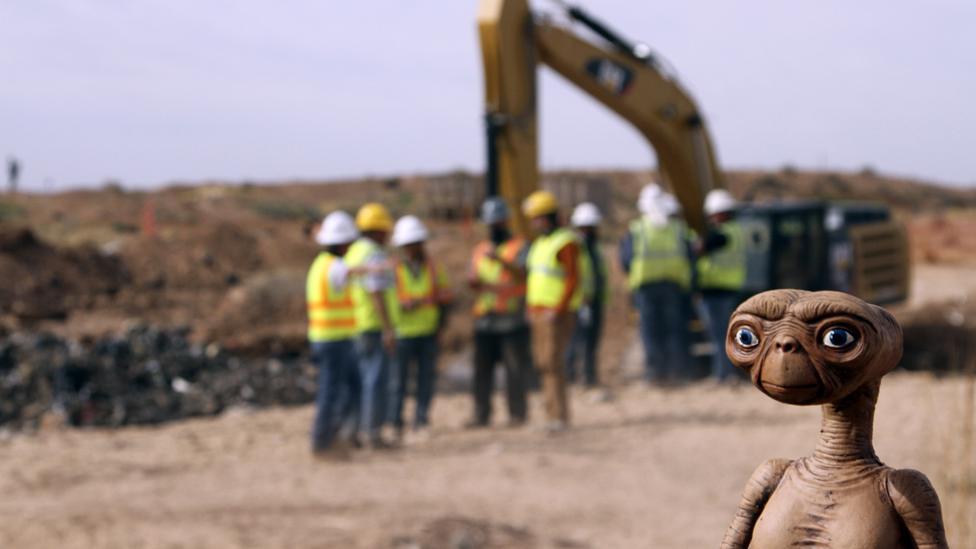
556,271
656,256
424,295
374,296
586,219
497,276
331,331
13,174
721,273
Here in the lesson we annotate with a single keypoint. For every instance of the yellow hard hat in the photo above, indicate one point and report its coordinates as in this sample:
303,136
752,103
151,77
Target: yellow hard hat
374,217
540,203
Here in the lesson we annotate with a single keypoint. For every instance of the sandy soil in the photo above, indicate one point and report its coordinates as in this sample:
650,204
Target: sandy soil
649,468
940,283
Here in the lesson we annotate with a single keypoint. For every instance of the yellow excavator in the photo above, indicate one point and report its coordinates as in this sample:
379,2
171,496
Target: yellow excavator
814,245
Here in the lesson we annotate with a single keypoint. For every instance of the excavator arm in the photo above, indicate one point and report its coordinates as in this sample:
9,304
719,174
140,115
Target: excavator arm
621,75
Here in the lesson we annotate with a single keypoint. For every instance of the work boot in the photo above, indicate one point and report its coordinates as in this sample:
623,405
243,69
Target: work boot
337,452
377,443
516,422
476,424
554,427
419,435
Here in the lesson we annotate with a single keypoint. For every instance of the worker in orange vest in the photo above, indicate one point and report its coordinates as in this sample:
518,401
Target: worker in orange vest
501,334
424,296
331,331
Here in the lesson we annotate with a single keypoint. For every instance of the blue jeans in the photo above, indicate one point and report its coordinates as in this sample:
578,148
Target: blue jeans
665,310
374,371
337,395
586,341
423,352
719,306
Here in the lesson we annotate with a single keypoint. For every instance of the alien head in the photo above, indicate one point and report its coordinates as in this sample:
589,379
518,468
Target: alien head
803,347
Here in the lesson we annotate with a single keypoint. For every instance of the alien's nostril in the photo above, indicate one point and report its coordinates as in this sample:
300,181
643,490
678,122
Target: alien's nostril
787,345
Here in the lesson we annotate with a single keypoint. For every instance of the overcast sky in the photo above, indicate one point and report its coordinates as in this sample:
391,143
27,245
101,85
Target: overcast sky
153,91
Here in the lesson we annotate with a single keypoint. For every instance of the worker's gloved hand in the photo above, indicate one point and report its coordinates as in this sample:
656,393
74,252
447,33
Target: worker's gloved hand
585,315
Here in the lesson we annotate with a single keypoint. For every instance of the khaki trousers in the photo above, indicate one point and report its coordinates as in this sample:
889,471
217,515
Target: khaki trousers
550,339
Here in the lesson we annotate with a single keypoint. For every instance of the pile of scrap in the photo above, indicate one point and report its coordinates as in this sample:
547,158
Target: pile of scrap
146,376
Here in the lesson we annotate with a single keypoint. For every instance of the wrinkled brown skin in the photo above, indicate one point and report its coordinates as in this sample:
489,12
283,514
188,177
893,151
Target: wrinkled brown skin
841,496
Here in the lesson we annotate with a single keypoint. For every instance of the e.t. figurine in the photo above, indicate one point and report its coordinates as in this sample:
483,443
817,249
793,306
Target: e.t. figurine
831,349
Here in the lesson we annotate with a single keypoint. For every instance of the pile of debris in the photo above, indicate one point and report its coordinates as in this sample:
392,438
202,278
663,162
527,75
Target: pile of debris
147,376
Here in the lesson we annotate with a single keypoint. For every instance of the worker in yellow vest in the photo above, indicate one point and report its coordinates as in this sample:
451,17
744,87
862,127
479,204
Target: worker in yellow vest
586,219
721,274
374,297
501,334
331,330
424,296
656,256
556,271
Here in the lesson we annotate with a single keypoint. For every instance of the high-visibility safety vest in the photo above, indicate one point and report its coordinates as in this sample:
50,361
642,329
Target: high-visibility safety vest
660,253
331,312
589,285
367,317
725,268
502,292
428,286
547,277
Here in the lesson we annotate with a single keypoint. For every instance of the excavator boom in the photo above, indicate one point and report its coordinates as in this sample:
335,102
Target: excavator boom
621,75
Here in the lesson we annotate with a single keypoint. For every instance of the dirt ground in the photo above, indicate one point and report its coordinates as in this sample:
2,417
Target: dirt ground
648,468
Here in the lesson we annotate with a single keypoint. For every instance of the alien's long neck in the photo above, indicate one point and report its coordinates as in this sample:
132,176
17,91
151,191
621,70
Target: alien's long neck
846,431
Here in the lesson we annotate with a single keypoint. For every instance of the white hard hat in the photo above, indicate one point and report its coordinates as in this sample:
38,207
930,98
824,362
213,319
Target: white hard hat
337,228
409,230
719,201
586,215
669,205
648,195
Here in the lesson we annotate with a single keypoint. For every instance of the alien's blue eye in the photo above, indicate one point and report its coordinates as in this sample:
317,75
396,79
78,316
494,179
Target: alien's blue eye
838,338
746,338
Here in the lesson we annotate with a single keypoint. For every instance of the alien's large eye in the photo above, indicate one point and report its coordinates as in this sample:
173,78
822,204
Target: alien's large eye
746,338
838,338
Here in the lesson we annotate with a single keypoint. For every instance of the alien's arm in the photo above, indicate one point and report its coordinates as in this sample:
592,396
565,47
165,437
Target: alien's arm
918,505
760,487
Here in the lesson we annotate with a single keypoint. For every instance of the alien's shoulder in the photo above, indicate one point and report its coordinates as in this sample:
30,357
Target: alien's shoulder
767,476
909,488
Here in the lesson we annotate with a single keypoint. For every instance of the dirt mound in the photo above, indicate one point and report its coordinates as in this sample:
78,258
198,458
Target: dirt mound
940,337
266,312
943,238
44,282
899,193
214,257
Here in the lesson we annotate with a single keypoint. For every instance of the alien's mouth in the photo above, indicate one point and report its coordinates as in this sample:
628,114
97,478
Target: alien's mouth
784,389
